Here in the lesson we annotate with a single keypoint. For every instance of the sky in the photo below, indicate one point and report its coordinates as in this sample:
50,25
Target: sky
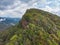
17,8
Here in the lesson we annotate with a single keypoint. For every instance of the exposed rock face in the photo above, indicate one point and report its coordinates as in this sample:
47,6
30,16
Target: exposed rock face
24,24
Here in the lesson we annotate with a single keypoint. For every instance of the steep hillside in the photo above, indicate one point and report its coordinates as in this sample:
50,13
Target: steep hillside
37,27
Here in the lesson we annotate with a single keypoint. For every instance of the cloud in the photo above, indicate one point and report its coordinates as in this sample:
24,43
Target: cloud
5,3
16,8
25,1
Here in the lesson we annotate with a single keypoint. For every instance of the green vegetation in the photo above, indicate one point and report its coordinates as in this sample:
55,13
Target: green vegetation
37,27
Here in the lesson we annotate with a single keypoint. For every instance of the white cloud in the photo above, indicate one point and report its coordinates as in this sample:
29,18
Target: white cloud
18,8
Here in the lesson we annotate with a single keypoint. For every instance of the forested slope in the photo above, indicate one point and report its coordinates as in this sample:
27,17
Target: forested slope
37,27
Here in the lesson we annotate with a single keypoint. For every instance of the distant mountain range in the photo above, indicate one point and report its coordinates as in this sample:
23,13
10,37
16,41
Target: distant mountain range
7,22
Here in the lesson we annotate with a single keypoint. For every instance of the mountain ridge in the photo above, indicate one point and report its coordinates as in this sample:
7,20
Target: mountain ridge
37,27
7,22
